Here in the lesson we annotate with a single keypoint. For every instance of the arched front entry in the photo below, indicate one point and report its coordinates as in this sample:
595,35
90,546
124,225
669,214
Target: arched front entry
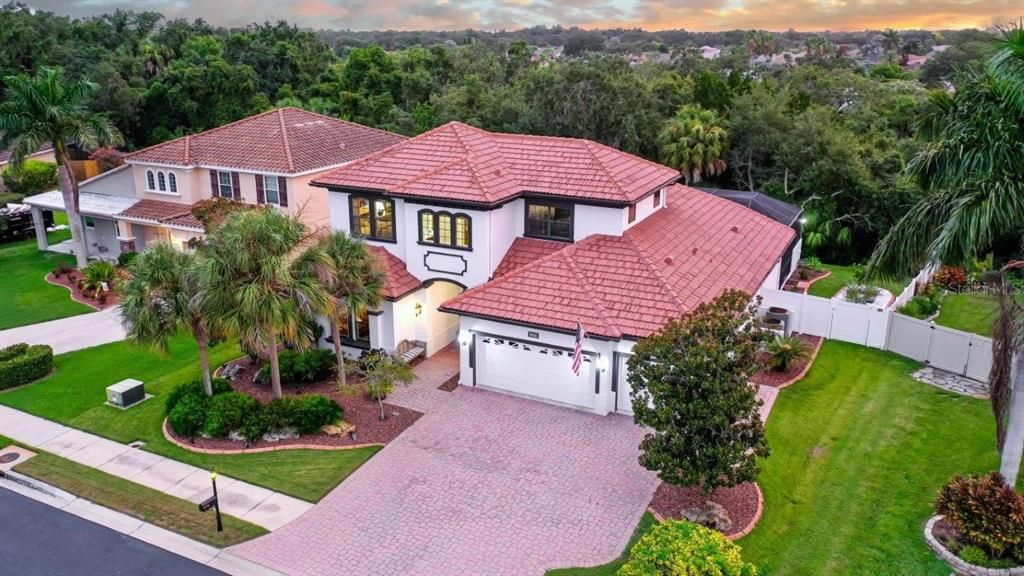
437,329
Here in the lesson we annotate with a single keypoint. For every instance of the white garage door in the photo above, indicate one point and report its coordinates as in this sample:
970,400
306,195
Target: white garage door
534,370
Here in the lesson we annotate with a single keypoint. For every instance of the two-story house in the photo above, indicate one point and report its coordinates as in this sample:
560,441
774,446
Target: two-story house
266,159
505,243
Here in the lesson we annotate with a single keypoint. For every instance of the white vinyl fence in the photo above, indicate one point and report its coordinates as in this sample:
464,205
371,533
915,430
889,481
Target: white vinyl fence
882,327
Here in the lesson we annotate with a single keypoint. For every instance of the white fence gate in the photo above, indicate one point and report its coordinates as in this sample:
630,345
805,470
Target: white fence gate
951,350
862,324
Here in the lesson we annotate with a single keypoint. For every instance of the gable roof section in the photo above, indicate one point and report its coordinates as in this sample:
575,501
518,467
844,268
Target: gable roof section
282,141
632,285
397,280
457,162
524,251
160,212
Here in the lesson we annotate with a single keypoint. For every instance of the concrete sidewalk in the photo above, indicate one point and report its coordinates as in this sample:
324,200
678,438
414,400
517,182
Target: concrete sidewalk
240,499
72,333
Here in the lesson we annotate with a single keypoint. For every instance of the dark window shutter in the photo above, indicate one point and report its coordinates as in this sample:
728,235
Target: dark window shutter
260,198
235,187
214,184
282,191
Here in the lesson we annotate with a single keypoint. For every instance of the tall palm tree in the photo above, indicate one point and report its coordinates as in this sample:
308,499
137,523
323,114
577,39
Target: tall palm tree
890,40
974,194
161,298
694,142
357,283
261,275
47,108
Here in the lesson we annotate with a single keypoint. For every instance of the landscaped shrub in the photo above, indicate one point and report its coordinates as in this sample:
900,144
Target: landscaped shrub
677,548
10,198
228,411
125,259
369,357
861,294
950,277
98,273
813,263
920,307
973,555
314,411
194,388
306,367
785,350
984,511
188,416
34,177
107,158
22,364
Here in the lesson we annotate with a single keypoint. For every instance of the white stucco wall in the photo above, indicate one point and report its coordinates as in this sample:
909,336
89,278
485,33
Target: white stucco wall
506,223
644,208
597,220
102,239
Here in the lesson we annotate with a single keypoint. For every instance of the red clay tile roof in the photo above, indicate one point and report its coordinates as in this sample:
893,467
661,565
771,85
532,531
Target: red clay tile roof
524,251
284,141
631,285
158,211
463,163
399,281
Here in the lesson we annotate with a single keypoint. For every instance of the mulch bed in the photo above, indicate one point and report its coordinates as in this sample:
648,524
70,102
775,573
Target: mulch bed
945,533
740,502
360,410
769,377
450,384
70,281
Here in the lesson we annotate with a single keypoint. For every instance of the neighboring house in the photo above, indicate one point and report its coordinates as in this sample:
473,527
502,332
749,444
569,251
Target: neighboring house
504,242
266,159
44,154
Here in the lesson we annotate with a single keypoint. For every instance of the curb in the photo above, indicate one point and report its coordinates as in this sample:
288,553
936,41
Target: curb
191,448
958,565
131,526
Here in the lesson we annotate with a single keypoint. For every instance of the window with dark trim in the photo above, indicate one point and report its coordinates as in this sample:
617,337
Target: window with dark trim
355,328
552,220
372,217
172,183
445,229
657,197
632,213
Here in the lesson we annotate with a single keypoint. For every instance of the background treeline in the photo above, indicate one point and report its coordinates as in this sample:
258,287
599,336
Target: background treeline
823,131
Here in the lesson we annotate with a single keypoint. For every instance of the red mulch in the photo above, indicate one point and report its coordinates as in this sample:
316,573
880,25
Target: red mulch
945,533
450,384
739,501
70,281
360,410
769,377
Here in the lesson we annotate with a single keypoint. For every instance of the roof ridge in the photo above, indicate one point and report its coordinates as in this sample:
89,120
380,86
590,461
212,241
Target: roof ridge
214,129
607,172
284,140
187,152
589,291
472,165
343,121
657,273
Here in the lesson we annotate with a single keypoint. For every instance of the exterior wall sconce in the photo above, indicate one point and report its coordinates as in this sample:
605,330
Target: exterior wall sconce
464,338
419,309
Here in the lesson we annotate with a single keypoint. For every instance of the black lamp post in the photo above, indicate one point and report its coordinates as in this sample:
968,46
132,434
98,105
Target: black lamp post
213,502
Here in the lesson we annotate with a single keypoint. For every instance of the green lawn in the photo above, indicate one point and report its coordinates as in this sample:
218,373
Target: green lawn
859,450
843,275
969,312
75,396
646,523
27,297
146,504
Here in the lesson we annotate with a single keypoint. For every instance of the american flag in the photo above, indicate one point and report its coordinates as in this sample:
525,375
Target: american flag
577,352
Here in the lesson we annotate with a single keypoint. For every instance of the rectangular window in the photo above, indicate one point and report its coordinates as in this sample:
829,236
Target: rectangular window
632,213
90,222
271,190
657,197
444,229
224,185
549,220
355,328
427,232
461,232
373,219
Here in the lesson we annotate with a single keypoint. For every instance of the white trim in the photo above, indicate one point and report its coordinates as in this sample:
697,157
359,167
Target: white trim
159,224
177,195
237,169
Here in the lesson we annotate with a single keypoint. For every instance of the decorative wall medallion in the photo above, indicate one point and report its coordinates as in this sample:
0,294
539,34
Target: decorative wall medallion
445,263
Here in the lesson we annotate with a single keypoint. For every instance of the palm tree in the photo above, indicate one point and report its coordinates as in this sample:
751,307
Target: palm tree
694,142
974,194
890,40
47,108
161,298
261,275
357,283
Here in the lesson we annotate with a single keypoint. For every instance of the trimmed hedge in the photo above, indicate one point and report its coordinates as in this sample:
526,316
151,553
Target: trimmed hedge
194,388
306,367
21,364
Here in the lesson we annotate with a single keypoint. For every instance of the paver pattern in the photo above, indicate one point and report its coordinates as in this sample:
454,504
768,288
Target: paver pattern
951,382
484,483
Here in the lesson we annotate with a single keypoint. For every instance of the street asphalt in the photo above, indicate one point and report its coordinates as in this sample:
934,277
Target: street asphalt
38,540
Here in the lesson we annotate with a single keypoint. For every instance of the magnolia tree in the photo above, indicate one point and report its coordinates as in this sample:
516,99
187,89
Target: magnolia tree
690,386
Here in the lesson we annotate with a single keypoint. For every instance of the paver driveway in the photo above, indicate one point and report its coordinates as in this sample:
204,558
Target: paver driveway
483,484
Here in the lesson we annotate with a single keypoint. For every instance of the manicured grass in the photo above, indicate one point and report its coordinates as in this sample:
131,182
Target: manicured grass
75,396
146,504
27,297
646,523
843,275
969,312
859,451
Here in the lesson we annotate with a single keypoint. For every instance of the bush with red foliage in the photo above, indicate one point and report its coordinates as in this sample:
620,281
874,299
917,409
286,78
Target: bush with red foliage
107,158
985,511
950,277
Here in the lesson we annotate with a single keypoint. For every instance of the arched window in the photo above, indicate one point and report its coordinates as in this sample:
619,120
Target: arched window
445,229
160,180
150,180
172,182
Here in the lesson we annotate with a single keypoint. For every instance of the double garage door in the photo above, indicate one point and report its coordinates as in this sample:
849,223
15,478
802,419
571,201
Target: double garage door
534,370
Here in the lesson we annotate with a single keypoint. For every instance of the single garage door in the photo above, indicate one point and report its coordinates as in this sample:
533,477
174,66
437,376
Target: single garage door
534,370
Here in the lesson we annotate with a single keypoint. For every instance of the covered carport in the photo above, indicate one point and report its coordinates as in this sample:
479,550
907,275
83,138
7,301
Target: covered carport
98,213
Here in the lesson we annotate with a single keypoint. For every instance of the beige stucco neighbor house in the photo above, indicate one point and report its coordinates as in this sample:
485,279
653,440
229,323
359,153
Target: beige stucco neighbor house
267,159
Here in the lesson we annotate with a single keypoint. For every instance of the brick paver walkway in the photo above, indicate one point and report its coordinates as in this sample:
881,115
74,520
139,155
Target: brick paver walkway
483,483
422,395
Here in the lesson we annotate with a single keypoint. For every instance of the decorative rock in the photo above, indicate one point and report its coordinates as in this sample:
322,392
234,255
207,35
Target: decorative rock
951,382
281,434
340,429
712,515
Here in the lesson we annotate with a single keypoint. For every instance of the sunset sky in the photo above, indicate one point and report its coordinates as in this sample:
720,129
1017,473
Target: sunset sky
512,14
